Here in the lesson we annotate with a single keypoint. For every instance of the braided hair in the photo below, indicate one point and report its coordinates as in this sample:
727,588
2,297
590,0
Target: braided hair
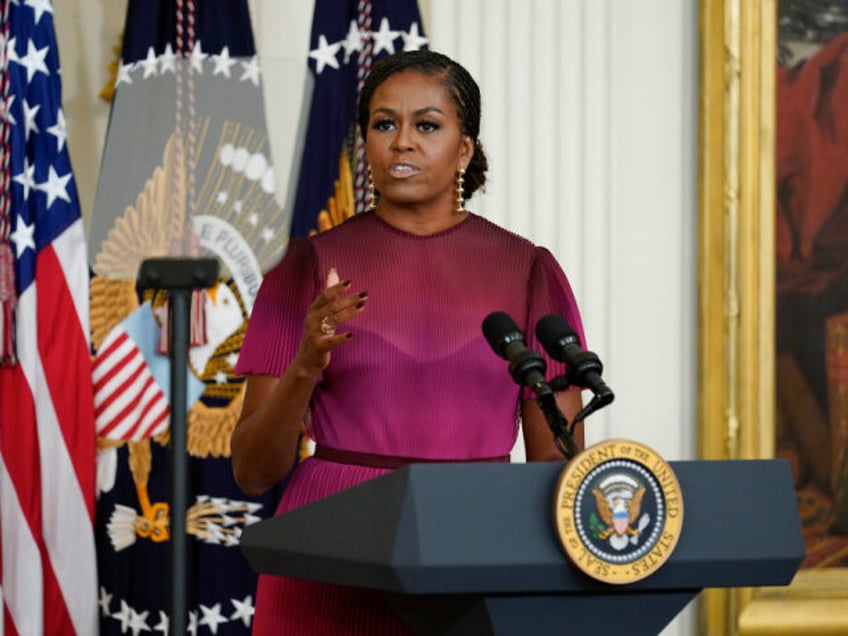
459,84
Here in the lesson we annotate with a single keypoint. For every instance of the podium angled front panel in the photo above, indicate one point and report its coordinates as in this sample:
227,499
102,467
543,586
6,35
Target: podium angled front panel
488,529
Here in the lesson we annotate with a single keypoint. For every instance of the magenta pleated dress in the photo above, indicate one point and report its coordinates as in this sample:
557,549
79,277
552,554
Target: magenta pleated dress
418,379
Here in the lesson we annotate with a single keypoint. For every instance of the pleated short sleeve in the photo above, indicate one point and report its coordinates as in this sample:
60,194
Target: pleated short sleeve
276,323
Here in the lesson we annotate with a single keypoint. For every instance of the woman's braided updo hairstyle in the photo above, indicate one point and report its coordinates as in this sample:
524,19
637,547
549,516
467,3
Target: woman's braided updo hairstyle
459,84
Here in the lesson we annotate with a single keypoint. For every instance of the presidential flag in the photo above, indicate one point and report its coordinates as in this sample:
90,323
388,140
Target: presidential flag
47,440
187,170
347,37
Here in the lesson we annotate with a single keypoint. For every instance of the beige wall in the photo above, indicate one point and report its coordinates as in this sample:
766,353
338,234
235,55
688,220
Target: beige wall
87,32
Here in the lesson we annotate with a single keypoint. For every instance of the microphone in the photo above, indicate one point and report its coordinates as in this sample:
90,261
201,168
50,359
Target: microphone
563,344
526,366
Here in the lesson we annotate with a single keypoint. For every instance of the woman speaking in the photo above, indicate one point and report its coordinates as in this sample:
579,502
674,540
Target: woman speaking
368,335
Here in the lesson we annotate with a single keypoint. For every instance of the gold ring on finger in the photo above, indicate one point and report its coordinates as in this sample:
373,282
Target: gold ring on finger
326,328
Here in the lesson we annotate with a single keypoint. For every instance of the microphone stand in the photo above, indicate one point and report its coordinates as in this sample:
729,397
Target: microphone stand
563,435
179,277
557,421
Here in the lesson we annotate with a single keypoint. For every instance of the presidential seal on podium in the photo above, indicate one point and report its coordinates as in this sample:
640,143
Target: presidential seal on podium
618,510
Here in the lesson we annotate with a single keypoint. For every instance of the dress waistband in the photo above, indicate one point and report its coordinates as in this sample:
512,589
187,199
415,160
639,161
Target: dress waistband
373,460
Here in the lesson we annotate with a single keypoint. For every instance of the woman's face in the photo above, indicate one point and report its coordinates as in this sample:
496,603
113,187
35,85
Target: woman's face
415,145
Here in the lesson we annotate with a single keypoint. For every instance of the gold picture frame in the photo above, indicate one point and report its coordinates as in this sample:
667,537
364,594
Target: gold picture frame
736,191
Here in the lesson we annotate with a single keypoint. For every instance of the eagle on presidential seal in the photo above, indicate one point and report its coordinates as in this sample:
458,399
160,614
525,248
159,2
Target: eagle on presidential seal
619,501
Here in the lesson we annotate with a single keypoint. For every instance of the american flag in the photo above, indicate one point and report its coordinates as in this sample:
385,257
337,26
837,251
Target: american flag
47,441
132,381
128,401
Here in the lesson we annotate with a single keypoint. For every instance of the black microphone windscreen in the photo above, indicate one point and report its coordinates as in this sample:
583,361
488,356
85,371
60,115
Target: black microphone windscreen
500,329
553,331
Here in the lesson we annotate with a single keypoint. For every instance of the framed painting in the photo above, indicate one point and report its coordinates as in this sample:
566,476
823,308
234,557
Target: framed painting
773,269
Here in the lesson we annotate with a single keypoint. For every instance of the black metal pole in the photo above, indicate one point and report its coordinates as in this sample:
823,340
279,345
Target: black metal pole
179,277
180,306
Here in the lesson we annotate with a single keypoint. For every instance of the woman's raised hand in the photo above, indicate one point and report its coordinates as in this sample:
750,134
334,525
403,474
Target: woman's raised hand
327,313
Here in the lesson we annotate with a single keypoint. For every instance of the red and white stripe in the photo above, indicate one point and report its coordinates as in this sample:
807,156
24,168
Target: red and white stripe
128,402
47,453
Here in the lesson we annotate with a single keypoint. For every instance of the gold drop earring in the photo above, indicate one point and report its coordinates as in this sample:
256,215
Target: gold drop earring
460,200
372,192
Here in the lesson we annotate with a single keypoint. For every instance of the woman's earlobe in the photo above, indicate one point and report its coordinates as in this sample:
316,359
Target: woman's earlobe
469,144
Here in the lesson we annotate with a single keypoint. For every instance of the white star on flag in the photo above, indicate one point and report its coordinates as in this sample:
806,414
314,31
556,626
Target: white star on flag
123,615
384,38
138,621
325,54
34,60
23,236
26,177
11,50
58,130
413,40
244,610
124,74
168,60
223,62
212,617
197,57
250,71
163,624
40,7
29,119
192,623
150,63
352,41
105,601
7,112
55,187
